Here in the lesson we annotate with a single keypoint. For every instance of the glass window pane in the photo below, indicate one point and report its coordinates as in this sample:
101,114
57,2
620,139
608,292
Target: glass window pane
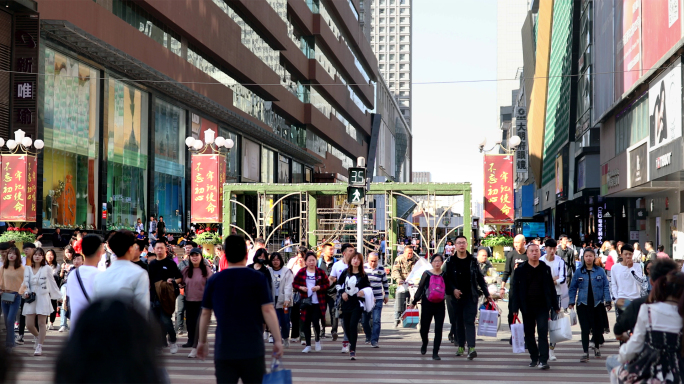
70,164
126,155
169,164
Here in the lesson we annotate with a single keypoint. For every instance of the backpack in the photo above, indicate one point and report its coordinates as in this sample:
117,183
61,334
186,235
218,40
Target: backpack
435,291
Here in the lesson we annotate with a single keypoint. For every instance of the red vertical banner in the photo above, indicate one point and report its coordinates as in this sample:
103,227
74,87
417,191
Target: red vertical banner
499,203
208,175
18,183
32,187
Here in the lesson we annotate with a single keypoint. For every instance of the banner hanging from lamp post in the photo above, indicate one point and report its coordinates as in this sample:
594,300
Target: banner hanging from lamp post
208,175
498,190
19,185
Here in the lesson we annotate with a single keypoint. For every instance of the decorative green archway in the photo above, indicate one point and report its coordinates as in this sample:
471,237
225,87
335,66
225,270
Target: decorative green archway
308,223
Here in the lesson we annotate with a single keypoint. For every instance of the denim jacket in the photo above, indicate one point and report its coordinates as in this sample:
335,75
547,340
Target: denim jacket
579,287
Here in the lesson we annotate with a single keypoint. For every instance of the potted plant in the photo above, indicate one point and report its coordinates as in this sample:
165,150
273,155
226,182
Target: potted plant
497,240
18,235
207,238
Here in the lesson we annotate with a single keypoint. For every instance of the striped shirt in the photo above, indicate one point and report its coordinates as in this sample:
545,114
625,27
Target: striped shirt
378,281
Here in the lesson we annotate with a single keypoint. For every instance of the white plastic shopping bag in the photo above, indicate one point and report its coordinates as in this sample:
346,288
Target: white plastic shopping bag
416,273
489,321
560,329
517,335
573,317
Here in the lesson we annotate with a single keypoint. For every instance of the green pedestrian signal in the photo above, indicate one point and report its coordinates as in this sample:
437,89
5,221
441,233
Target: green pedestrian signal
356,195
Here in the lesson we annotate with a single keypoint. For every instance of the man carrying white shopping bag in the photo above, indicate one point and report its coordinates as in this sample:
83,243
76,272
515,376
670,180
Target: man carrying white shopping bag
534,295
489,320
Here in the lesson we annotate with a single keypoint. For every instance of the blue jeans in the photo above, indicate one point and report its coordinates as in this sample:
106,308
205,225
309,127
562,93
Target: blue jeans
373,336
10,313
62,312
612,362
284,321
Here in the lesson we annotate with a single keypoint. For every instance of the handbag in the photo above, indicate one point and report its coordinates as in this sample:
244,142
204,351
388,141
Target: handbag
489,321
278,375
303,302
8,297
560,329
517,335
31,298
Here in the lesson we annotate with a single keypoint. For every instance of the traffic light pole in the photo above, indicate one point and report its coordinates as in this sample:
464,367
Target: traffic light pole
359,229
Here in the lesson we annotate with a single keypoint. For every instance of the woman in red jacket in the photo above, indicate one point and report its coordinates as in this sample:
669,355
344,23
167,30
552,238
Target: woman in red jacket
312,284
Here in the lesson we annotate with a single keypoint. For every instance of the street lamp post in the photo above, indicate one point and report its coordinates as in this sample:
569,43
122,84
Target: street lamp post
220,144
22,143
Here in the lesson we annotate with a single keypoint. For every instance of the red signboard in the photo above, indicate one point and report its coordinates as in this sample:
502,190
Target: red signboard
208,176
662,29
628,63
19,187
498,189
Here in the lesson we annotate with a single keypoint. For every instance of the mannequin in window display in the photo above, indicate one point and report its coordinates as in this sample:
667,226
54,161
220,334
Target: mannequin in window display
49,199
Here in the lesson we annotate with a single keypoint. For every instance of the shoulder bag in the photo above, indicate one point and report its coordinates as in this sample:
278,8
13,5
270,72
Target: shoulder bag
7,297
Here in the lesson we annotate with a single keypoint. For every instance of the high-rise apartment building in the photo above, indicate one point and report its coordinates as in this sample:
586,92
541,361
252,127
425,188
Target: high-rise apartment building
422,177
510,15
391,41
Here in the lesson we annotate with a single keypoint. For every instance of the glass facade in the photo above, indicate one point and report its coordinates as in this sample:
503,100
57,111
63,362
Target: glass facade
268,170
232,170
297,172
70,157
138,18
283,169
632,125
126,131
169,164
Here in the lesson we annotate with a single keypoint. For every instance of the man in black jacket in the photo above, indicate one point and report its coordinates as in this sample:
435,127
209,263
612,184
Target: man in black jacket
514,258
567,254
534,294
464,284
627,321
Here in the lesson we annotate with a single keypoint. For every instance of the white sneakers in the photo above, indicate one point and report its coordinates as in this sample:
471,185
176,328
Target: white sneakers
39,350
552,355
174,348
345,347
270,339
286,343
193,353
62,328
307,349
318,346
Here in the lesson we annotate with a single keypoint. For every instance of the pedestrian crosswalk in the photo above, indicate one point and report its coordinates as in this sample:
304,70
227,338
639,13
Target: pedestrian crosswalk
397,360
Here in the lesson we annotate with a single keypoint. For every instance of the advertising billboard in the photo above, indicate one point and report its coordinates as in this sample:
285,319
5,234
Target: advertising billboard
604,57
498,188
638,165
627,45
661,29
665,107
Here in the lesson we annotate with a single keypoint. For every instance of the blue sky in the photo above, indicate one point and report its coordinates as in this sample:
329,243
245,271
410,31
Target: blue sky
453,40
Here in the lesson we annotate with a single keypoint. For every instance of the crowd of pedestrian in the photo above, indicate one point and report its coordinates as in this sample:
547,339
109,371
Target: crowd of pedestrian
291,302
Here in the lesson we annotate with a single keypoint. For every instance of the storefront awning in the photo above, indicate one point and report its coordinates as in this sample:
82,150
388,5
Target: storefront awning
82,42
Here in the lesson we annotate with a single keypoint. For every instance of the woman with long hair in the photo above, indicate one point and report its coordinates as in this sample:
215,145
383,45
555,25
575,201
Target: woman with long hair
590,289
295,314
40,288
349,286
194,282
311,283
430,309
51,259
654,352
294,262
282,288
65,268
11,279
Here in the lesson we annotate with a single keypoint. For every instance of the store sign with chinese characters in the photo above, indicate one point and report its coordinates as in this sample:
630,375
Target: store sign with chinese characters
19,188
25,79
521,157
498,199
208,176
